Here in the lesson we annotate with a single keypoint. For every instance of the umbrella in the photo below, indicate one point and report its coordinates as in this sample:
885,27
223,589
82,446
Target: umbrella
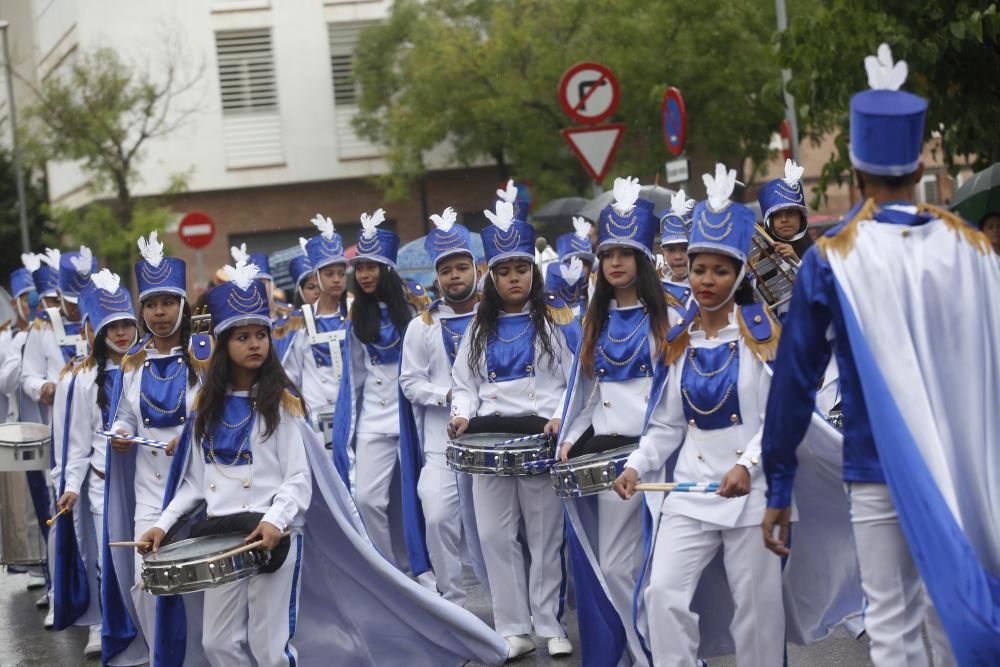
414,263
979,196
659,195
560,210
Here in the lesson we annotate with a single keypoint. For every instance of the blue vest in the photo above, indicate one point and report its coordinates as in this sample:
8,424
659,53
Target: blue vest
622,350
228,441
510,352
709,386
163,391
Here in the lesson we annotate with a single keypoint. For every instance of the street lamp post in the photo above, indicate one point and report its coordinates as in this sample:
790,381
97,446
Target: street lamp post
19,178
786,76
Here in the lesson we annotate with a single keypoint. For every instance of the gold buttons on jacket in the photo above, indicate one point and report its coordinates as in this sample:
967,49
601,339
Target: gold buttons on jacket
734,418
757,319
211,487
739,452
607,404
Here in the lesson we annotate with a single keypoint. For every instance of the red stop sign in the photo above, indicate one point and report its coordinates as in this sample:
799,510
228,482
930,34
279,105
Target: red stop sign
196,230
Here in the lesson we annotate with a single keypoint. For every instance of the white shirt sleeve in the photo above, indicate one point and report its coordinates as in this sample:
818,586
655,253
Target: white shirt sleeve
583,419
293,496
34,367
751,453
565,362
358,370
665,431
81,431
10,366
191,490
293,356
465,391
414,375
125,418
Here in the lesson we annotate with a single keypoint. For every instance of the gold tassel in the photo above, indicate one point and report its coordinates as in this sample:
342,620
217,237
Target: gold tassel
293,404
67,369
672,301
974,237
201,367
293,323
676,348
417,301
763,350
5,326
132,361
40,324
843,241
425,315
561,316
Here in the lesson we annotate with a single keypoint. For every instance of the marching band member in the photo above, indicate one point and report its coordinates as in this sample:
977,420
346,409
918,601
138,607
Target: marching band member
786,217
624,337
367,411
109,322
159,380
509,375
712,411
567,279
306,292
249,466
918,372
674,225
316,358
429,348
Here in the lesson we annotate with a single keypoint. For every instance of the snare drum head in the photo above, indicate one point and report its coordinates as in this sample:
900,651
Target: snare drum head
608,455
23,433
492,439
196,547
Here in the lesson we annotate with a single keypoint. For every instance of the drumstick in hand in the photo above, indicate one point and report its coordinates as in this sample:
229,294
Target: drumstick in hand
129,544
249,546
58,514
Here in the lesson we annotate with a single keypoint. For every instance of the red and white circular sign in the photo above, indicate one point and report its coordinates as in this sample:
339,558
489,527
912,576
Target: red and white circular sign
196,230
589,93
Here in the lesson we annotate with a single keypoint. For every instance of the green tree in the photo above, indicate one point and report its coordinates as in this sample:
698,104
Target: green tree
481,77
10,220
101,112
952,49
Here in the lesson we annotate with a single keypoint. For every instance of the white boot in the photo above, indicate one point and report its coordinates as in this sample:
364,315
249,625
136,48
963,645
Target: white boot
93,648
50,617
560,646
518,645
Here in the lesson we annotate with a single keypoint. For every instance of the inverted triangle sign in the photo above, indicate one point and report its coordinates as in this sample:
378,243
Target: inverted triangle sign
595,146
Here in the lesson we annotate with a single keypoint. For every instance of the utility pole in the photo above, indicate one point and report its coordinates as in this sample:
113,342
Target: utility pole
786,76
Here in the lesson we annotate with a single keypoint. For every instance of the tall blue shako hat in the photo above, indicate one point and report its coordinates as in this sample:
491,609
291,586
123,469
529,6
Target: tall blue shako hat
327,247
44,275
565,279
576,243
782,193
887,124
376,244
510,194
21,282
74,272
104,301
675,222
720,225
242,299
447,238
157,274
299,266
628,221
258,259
507,238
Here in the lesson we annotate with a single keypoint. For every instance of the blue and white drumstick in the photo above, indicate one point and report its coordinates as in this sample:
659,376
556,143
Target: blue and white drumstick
514,441
678,487
139,440
539,464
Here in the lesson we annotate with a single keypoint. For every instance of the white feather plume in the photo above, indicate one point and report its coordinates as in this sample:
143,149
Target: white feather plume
151,250
680,204
793,173
302,244
508,194
240,254
503,217
446,220
626,192
106,280
51,257
720,188
324,225
242,274
581,227
571,270
882,73
31,261
369,223
83,262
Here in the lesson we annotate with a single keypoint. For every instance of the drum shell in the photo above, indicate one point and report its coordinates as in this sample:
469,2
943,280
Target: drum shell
191,575
589,474
21,540
24,446
526,457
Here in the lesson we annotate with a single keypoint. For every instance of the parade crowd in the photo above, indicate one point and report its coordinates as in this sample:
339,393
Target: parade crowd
761,440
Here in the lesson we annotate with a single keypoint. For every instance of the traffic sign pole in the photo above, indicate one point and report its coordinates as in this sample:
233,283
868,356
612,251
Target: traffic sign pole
589,94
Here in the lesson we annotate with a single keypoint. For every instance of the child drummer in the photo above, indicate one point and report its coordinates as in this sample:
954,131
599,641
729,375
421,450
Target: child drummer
248,464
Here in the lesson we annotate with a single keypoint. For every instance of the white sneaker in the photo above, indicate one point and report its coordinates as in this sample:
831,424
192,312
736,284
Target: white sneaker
519,645
35,581
428,581
559,647
50,618
93,648
43,602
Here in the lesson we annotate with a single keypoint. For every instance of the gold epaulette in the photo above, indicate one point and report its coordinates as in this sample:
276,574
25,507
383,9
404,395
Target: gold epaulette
672,301
561,315
5,326
292,323
676,348
974,237
418,301
426,318
293,404
86,364
130,362
765,350
67,369
41,323
200,365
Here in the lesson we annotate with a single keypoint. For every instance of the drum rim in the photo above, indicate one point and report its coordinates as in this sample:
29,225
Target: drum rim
35,442
597,457
152,560
501,437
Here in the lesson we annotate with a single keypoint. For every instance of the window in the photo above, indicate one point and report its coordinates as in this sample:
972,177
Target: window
343,41
928,190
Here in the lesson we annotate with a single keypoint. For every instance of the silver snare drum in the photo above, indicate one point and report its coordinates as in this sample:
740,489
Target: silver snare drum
500,454
590,473
194,565
24,446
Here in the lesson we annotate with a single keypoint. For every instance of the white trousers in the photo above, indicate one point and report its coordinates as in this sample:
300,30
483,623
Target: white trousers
438,491
897,603
521,603
619,546
684,548
376,460
145,603
255,617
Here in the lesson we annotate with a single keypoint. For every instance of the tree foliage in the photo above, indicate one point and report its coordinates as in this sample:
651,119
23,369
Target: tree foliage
10,219
480,76
952,48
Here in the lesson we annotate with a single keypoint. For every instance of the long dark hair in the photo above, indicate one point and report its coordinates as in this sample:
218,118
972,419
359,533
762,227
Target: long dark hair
185,330
744,293
650,292
268,390
100,357
365,317
484,324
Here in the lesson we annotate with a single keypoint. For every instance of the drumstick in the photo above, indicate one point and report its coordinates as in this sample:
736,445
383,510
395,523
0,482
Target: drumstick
540,463
129,544
58,514
139,440
513,441
677,487
249,546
